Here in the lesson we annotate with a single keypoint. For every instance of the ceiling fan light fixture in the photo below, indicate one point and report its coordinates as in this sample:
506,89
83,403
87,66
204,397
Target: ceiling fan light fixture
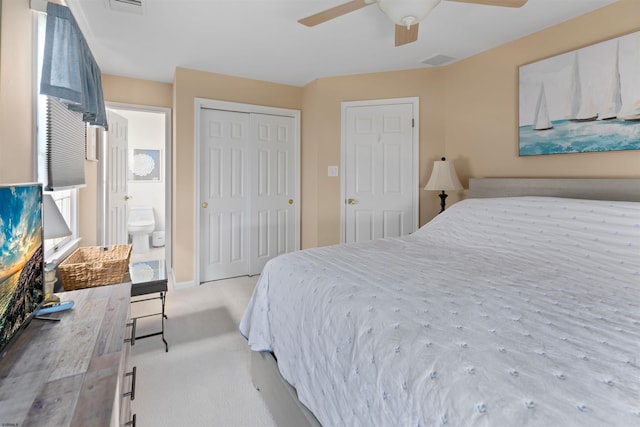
407,12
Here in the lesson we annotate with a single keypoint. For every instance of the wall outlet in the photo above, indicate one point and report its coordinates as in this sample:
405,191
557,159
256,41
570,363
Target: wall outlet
332,171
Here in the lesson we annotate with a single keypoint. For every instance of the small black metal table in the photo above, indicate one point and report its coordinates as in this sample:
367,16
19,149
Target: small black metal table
150,277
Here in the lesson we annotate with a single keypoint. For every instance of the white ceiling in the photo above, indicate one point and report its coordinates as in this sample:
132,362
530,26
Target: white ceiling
261,39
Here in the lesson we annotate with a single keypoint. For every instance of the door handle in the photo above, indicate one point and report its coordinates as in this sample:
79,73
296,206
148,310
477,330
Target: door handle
290,201
127,198
352,202
205,205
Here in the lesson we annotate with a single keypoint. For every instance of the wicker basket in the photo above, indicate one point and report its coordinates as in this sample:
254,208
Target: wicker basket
94,266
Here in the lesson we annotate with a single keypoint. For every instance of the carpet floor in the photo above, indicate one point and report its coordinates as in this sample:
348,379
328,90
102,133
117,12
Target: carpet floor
204,379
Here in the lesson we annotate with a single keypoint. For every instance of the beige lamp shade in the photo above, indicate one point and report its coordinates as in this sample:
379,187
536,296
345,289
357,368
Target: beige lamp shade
443,177
54,225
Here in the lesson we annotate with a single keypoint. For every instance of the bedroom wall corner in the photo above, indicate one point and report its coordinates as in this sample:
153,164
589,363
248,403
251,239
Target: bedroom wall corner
137,92
322,136
432,140
188,85
310,130
484,143
17,157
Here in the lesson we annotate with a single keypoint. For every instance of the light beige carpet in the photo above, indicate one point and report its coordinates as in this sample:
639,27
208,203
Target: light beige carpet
204,379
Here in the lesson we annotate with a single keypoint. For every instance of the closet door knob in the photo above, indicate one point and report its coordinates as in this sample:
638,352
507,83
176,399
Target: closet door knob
205,205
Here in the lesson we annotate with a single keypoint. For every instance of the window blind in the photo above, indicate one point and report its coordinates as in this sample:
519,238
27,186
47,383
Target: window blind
65,151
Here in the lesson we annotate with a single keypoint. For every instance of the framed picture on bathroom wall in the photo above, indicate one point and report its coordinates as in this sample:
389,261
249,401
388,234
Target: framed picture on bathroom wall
144,165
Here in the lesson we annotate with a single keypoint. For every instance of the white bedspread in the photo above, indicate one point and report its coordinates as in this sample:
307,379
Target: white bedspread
499,312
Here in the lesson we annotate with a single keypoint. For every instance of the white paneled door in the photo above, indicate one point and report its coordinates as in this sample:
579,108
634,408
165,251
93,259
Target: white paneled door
224,245
379,166
272,156
247,191
117,156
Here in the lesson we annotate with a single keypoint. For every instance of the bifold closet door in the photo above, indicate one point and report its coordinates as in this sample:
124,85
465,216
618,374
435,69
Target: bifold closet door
224,240
247,191
273,189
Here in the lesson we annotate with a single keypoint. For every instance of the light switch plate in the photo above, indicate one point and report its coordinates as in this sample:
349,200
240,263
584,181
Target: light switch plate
332,171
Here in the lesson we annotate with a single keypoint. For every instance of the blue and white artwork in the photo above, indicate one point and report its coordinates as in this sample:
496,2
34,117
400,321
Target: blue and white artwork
144,165
586,100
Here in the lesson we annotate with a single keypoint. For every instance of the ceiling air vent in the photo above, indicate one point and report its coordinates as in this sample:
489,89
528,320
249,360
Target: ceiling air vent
129,6
439,59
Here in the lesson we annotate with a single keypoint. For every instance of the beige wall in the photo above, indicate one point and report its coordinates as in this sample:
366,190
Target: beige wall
17,114
17,158
188,85
310,129
483,142
468,113
127,91
138,92
321,105
321,140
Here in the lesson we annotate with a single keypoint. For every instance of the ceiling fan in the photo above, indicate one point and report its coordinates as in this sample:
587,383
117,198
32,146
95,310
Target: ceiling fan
406,14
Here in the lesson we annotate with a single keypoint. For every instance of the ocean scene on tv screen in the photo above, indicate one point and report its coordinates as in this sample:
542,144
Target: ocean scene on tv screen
21,256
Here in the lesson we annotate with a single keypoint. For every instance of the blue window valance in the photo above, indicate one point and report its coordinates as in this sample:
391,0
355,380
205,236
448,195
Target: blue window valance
69,71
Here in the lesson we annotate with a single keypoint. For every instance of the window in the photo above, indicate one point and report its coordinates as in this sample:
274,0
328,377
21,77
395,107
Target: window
66,199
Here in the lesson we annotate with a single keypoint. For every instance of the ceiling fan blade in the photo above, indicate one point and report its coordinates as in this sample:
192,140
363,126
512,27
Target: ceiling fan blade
406,35
503,3
334,12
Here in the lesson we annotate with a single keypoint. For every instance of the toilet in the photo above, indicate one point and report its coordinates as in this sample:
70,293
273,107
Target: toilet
140,225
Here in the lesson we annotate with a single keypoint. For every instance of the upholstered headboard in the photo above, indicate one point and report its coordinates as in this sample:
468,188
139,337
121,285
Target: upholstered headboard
574,188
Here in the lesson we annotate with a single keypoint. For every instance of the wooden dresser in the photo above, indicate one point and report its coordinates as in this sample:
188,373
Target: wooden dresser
74,372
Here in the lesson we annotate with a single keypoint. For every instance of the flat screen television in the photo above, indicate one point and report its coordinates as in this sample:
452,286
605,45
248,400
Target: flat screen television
21,258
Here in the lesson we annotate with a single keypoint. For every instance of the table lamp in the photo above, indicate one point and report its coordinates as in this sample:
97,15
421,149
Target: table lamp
443,177
53,227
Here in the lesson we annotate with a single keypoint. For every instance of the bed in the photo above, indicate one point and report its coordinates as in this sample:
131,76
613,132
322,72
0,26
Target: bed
503,310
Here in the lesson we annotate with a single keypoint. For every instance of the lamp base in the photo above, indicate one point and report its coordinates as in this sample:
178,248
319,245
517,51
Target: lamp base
50,280
443,196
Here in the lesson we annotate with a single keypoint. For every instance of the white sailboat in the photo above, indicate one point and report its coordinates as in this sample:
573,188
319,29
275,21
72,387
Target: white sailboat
613,96
630,111
541,118
578,111
631,115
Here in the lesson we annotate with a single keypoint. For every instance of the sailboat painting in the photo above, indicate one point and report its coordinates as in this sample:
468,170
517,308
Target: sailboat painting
586,100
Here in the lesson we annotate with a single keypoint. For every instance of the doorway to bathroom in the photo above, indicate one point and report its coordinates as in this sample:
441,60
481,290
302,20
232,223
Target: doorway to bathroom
135,186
